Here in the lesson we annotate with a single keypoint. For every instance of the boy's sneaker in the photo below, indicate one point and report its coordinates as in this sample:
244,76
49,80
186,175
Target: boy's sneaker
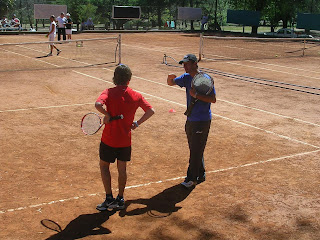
50,54
117,204
201,179
58,52
104,206
188,184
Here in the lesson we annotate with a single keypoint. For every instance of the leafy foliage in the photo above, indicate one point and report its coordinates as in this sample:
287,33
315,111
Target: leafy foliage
156,12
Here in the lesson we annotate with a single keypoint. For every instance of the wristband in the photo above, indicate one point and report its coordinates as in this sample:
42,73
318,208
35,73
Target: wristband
136,123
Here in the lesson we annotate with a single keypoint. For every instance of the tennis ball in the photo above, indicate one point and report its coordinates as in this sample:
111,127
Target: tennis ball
276,55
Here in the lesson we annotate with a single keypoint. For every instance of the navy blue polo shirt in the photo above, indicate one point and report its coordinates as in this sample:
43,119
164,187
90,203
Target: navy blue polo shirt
201,110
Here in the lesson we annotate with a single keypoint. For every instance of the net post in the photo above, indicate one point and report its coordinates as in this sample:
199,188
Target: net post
164,60
200,46
119,42
304,47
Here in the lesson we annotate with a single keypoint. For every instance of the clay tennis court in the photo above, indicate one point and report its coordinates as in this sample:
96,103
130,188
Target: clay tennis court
262,155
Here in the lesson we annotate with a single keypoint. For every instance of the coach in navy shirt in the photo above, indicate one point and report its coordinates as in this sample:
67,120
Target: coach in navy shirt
198,122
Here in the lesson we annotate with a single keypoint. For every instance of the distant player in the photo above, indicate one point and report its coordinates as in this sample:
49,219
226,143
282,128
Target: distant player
116,137
68,26
52,35
61,20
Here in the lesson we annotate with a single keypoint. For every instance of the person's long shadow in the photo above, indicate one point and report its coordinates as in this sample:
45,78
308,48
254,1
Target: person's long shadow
84,225
160,205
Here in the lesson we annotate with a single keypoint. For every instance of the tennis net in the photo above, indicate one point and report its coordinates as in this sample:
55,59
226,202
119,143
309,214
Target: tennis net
74,54
245,48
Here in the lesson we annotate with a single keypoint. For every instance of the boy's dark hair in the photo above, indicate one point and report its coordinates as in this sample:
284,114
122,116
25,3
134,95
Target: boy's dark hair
122,75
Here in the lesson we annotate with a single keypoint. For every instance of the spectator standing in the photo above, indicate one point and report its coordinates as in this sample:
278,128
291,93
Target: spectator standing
204,21
61,20
68,26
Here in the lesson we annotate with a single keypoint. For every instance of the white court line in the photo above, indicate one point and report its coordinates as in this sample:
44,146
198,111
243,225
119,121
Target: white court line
236,104
272,70
238,122
291,73
245,165
30,57
281,66
166,100
158,182
232,103
48,107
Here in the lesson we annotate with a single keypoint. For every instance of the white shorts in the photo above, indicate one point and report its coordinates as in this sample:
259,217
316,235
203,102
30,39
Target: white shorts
51,38
69,31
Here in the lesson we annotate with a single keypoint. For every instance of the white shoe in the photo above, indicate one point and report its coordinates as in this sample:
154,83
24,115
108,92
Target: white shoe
189,184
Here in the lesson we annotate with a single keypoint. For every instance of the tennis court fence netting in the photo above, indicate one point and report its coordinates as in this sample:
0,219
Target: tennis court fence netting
246,48
93,52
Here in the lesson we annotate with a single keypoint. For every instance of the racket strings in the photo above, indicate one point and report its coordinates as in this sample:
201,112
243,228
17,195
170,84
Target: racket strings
91,124
203,83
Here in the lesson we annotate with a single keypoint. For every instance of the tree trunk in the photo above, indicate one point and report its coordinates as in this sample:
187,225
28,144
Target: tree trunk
159,17
254,30
285,22
30,21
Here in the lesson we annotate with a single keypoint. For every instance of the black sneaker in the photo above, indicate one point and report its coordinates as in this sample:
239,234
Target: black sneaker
201,179
104,206
58,52
189,185
117,204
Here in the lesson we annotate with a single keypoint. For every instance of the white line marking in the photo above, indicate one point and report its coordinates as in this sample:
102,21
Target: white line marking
281,66
166,100
236,104
272,70
48,107
30,57
267,131
161,181
245,124
140,185
271,113
264,161
150,49
162,84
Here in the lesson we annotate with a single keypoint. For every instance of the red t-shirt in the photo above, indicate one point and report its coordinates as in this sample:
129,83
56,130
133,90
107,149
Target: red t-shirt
121,100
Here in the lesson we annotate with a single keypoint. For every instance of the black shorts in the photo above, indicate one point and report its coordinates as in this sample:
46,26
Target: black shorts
110,154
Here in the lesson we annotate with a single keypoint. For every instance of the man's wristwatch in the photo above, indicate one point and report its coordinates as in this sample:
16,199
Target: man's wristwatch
136,123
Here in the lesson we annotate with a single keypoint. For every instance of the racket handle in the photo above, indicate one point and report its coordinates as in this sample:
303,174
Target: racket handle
116,117
190,107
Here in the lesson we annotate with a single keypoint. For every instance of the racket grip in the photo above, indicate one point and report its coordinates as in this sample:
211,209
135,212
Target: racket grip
189,109
116,117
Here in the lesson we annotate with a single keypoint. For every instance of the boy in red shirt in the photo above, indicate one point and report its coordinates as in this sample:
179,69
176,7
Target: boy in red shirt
116,136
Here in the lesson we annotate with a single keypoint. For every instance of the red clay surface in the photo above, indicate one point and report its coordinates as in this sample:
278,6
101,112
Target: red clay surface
262,156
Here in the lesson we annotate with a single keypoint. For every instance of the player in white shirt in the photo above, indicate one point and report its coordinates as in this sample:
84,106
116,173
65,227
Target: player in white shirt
52,35
61,20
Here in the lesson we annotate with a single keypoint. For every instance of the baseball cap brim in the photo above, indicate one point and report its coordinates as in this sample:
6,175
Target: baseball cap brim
189,57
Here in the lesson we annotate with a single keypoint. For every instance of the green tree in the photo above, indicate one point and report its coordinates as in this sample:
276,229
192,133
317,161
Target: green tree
6,6
254,5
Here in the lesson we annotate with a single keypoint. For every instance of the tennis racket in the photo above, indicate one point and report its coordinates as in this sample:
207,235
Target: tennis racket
52,225
203,84
92,122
